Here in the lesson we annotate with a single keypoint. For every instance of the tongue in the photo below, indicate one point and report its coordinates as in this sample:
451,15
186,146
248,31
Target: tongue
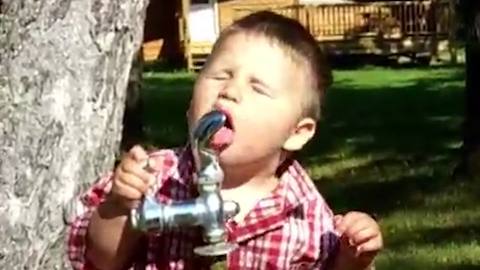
222,138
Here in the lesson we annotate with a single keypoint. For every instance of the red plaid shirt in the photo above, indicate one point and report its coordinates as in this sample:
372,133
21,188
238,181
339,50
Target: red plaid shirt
291,229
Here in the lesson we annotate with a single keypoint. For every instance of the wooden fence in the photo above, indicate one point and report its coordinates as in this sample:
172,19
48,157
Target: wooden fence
411,27
351,20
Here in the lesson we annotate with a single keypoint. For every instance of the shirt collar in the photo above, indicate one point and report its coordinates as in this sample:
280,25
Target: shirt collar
294,189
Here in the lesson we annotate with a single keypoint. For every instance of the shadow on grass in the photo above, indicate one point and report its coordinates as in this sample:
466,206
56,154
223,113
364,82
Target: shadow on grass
464,267
420,265
462,233
405,118
380,197
405,127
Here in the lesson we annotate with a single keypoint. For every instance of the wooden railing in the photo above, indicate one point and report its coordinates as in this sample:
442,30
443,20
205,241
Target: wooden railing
346,21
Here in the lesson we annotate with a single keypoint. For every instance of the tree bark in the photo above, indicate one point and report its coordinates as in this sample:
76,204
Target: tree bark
64,67
133,132
471,147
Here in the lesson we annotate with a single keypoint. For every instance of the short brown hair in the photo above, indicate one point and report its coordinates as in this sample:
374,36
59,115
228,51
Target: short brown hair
292,36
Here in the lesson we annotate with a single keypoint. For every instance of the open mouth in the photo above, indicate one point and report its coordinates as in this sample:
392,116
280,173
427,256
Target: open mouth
229,121
224,136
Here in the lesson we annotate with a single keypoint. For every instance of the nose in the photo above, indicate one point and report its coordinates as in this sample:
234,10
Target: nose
232,90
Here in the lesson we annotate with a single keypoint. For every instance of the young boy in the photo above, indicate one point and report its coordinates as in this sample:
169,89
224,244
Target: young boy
268,74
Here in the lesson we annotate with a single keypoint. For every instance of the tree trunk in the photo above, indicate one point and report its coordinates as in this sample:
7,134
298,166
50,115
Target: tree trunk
471,146
64,68
133,132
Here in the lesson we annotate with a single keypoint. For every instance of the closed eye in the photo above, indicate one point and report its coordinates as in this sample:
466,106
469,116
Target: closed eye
259,89
219,76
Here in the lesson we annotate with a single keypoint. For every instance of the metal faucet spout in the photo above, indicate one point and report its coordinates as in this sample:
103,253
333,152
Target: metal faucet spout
208,210
203,155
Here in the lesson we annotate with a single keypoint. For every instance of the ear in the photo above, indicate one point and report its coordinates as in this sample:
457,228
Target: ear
301,134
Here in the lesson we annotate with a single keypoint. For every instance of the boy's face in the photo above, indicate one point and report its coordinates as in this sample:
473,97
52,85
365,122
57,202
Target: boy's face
261,87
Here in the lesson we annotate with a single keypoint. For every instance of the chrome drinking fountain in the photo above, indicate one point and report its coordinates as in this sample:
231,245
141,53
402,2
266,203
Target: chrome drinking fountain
208,210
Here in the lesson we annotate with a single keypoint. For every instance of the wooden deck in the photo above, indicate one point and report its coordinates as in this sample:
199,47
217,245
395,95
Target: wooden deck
344,21
383,28
199,53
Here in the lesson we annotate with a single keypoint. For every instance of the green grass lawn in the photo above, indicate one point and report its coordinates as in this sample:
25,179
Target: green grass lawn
387,145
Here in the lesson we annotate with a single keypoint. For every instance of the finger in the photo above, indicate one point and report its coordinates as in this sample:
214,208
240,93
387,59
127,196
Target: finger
372,246
346,246
126,191
337,219
138,154
132,181
156,163
349,220
360,225
131,167
363,236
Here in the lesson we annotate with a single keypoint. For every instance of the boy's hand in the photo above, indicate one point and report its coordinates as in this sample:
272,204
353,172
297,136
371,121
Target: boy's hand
360,240
131,180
